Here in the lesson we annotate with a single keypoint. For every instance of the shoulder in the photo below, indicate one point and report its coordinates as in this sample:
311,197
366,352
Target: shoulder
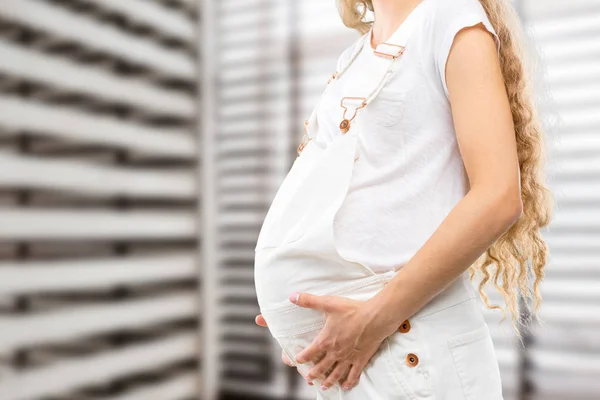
448,17
444,11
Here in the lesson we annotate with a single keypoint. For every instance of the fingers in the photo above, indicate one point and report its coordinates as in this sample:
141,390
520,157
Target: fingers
286,360
352,377
307,300
311,353
315,351
337,374
260,320
321,303
321,369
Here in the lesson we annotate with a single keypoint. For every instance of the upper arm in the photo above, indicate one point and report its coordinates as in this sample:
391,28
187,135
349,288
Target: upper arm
466,51
481,110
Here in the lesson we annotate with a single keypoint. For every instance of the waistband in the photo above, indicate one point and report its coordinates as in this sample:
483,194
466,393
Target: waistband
287,319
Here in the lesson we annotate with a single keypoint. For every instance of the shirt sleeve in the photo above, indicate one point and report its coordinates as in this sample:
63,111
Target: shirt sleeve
449,21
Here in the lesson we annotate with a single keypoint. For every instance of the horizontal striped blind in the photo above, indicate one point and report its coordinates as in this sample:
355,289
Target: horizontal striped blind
564,354
271,61
250,139
98,200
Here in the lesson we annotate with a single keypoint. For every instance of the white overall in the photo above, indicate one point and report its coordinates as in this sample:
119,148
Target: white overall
443,352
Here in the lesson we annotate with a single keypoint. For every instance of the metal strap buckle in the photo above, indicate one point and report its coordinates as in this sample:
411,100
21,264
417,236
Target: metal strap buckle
304,142
393,50
345,124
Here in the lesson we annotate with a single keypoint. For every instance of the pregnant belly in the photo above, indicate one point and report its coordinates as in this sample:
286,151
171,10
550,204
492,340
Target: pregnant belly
280,271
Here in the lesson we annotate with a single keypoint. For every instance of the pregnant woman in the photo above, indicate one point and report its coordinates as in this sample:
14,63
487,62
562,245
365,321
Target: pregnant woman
420,168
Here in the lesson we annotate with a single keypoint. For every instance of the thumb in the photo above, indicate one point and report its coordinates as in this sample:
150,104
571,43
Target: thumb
308,300
260,320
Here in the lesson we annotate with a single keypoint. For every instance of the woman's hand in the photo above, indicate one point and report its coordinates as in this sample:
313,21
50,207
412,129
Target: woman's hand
260,321
353,332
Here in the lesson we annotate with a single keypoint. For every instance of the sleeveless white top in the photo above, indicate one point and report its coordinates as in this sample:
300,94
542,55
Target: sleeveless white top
409,173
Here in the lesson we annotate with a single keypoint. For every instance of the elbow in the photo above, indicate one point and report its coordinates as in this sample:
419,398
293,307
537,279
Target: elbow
515,212
508,206
503,205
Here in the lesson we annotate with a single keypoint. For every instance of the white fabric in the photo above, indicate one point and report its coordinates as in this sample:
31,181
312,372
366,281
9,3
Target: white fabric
409,174
296,251
457,359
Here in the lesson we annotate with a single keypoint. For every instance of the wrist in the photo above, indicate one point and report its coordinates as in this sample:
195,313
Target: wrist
386,313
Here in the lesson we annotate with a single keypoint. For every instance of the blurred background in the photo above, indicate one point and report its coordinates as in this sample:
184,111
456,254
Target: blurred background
141,144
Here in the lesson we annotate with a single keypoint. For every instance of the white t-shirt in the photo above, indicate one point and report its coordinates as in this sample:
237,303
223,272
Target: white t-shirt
409,173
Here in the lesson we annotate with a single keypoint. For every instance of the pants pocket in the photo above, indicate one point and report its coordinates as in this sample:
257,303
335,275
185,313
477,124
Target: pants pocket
475,361
409,365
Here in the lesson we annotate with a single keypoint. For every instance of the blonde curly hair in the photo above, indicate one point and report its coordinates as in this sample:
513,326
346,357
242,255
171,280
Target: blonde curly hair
515,263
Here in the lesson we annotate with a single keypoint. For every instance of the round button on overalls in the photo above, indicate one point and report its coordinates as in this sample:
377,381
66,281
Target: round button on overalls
404,327
412,360
344,126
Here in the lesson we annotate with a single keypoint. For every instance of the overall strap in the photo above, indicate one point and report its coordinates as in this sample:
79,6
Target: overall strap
343,66
356,49
389,51
390,54
394,47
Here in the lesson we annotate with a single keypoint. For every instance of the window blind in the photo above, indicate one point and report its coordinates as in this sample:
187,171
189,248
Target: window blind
564,353
98,200
250,76
269,63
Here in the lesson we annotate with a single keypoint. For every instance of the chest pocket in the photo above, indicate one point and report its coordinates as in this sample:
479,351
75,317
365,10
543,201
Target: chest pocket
389,107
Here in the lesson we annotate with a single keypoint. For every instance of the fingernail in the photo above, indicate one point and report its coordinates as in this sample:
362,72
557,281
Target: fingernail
346,387
310,383
294,297
323,387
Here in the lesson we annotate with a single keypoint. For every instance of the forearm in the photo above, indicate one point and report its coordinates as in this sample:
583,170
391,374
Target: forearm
472,226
